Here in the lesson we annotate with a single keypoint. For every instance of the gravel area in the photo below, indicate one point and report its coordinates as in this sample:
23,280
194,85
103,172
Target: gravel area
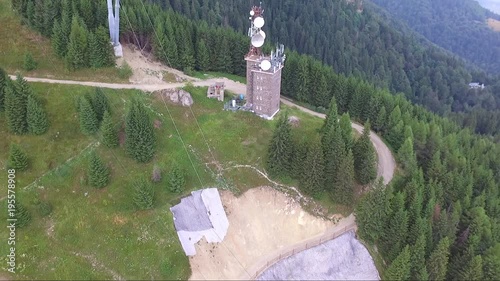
343,258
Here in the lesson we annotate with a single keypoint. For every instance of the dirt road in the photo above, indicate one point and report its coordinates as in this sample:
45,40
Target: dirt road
386,162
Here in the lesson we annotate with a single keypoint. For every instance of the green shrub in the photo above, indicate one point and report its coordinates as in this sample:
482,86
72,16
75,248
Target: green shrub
143,194
125,71
29,62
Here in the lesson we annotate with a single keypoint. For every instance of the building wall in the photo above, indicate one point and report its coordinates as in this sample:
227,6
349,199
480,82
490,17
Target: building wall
266,92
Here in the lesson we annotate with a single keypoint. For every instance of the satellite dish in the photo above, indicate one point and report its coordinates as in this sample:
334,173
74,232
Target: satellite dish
252,13
265,65
258,22
258,39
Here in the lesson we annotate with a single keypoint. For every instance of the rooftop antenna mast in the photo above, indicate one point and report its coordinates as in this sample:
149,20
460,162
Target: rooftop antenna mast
255,32
114,26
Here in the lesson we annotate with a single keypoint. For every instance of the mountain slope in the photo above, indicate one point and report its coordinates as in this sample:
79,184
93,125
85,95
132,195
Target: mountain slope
459,26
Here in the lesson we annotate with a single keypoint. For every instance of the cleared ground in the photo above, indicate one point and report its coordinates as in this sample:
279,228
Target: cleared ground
343,258
261,221
494,24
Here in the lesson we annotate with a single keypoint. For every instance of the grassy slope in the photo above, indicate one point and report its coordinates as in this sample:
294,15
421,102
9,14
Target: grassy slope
104,224
17,40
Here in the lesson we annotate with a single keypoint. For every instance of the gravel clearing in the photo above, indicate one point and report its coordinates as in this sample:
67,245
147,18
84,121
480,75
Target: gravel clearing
343,258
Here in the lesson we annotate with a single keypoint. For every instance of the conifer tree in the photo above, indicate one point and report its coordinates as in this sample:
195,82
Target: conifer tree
22,216
280,149
29,63
176,179
76,56
100,104
406,156
202,56
313,179
334,153
437,263
395,233
106,51
17,158
59,40
298,158
36,117
3,88
98,172
143,197
474,270
344,181
491,263
16,102
88,119
140,139
365,164
50,11
93,49
109,133
418,270
379,124
400,267
373,212
331,117
346,129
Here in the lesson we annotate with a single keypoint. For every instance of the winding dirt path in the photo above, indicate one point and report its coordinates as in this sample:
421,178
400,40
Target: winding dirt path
386,162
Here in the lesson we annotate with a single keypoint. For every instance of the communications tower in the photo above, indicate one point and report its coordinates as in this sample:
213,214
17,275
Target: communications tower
114,26
263,72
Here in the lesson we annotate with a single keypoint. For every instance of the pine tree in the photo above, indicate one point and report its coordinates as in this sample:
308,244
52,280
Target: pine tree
49,14
98,172
437,263
365,164
140,139
406,156
372,212
16,101
143,194
37,120
76,56
280,149
344,181
89,124
334,153
100,104
417,260
474,270
331,117
22,216
93,49
106,51
109,133
298,158
59,41
3,88
29,63
17,158
380,123
346,129
400,267
395,233
313,179
176,179
491,263
202,56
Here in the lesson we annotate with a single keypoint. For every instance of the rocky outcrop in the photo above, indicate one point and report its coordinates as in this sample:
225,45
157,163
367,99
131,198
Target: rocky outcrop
178,96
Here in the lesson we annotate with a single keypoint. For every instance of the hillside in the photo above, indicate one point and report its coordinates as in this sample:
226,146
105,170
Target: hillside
355,42
492,5
459,26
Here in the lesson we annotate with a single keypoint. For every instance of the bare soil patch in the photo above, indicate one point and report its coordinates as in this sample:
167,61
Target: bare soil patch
494,24
261,221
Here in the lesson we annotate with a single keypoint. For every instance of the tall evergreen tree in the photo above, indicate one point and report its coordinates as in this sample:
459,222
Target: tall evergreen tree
280,149
395,233
202,56
76,56
298,158
36,117
144,193
140,138
22,216
17,158
331,117
438,261
491,263
406,156
176,179
344,181
313,180
98,172
417,260
365,164
59,40
100,104
109,133
373,212
334,153
16,101
88,118
346,129
400,267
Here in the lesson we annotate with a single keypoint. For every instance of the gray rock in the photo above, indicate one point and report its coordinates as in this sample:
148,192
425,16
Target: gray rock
185,97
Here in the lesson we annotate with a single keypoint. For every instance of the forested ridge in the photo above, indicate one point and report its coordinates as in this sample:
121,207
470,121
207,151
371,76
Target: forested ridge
459,26
445,205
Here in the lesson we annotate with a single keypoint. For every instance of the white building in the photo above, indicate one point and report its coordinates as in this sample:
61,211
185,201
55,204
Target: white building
476,86
198,215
